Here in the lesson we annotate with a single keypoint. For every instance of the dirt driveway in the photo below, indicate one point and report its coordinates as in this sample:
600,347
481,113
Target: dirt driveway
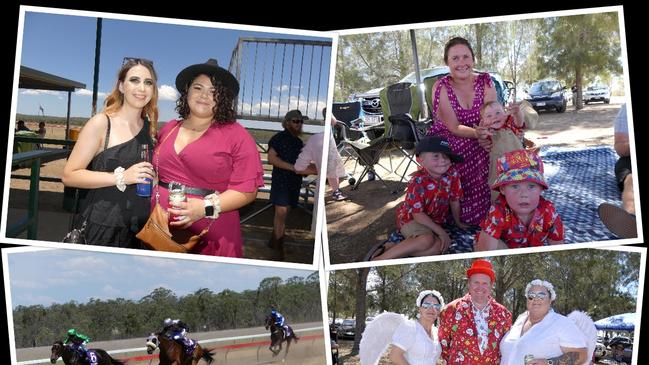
367,218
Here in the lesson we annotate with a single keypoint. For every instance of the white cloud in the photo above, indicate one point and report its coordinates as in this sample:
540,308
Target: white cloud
41,92
28,284
31,299
86,92
86,263
166,92
154,262
110,291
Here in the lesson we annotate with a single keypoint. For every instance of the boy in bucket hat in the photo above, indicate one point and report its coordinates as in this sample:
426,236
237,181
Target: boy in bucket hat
431,191
520,216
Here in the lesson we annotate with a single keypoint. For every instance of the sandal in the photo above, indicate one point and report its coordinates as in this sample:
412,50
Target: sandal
618,220
375,251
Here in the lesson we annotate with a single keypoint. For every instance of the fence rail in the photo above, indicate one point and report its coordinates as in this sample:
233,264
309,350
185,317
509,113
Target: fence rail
278,75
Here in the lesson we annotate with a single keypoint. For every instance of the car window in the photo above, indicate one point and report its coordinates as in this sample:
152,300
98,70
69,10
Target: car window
544,87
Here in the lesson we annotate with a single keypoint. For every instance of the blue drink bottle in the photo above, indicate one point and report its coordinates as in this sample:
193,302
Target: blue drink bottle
144,189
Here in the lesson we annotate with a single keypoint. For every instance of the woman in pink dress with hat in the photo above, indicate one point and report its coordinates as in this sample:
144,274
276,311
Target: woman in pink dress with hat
212,155
456,107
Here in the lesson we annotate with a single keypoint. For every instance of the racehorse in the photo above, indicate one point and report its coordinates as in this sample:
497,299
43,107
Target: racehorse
278,336
72,357
172,353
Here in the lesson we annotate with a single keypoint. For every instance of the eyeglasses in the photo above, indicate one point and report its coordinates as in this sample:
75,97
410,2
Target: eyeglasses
428,305
536,295
297,121
137,60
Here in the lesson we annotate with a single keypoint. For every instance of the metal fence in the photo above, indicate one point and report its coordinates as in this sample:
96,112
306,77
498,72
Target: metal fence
278,75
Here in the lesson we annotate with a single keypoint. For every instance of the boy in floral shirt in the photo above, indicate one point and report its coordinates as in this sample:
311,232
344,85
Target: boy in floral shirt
431,191
520,216
472,327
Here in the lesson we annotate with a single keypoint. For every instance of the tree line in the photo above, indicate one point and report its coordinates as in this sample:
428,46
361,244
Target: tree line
600,282
576,49
297,298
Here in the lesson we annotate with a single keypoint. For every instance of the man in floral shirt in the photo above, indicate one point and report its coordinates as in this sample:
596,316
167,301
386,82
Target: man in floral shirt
471,327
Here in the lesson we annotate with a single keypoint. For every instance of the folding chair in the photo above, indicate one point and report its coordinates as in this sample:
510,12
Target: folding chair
349,115
368,155
400,103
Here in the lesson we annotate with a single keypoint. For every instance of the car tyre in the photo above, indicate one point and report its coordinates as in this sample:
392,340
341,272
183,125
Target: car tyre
561,109
606,101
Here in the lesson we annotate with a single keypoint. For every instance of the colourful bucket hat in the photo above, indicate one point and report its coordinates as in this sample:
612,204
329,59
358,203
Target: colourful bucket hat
518,166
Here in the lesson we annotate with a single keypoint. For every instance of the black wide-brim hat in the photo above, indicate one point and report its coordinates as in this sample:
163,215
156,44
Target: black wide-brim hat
210,68
437,144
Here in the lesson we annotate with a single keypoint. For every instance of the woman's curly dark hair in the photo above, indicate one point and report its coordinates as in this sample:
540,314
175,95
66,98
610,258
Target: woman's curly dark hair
223,111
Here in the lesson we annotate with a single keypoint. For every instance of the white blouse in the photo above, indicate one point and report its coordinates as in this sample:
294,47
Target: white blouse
418,347
543,340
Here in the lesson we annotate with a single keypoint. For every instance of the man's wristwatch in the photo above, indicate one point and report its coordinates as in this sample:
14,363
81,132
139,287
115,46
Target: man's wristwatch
209,208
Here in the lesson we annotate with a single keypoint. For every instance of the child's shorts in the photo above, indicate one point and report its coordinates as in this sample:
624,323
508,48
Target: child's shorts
414,229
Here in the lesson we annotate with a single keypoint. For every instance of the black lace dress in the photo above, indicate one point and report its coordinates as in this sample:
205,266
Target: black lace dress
114,217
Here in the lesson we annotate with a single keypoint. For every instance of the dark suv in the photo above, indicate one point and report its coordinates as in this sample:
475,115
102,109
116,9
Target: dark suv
548,94
371,102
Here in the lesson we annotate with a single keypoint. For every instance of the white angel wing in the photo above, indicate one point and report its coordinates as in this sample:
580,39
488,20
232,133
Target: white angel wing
378,336
587,327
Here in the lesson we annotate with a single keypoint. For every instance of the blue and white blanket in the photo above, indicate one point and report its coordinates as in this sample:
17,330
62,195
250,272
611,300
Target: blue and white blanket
580,180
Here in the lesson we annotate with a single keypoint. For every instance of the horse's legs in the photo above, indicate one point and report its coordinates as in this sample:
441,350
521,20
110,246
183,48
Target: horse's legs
288,345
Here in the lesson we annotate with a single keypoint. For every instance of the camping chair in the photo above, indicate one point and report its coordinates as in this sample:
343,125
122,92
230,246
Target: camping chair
400,103
368,155
348,115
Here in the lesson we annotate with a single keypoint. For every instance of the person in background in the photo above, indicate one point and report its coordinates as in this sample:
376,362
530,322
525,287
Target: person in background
621,220
20,126
310,159
283,151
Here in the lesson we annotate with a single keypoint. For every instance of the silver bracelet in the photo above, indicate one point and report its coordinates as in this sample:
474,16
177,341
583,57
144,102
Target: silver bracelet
216,203
119,179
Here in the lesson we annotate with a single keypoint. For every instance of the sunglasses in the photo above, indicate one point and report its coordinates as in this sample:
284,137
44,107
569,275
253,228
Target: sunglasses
143,61
537,295
428,305
297,121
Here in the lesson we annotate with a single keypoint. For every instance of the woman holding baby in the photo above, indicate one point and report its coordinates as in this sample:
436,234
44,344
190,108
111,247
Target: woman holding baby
457,100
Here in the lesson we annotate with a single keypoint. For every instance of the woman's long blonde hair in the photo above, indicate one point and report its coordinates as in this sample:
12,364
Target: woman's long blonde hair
115,100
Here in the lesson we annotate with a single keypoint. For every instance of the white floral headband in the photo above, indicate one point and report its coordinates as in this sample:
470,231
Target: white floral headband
543,283
426,293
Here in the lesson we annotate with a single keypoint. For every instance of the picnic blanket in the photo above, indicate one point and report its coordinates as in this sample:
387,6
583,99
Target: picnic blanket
580,180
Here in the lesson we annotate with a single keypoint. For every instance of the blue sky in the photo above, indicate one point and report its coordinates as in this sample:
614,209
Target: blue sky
44,277
64,45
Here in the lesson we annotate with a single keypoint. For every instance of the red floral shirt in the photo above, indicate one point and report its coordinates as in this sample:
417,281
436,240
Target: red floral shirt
503,224
458,334
426,194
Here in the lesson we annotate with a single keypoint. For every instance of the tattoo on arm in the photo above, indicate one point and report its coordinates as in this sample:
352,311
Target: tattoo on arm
569,358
